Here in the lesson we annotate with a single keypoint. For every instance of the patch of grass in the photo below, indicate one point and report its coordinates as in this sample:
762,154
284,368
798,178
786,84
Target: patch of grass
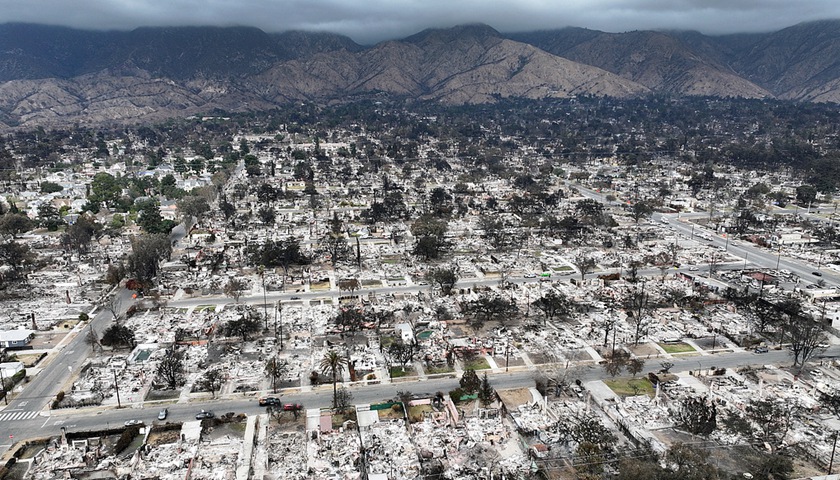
397,372
435,370
319,286
479,363
209,308
677,348
630,386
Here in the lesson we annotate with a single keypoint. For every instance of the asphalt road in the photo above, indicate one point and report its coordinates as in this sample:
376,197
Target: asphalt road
106,417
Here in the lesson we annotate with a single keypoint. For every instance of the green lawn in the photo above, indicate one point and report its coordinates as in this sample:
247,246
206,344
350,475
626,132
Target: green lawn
677,347
397,372
479,363
625,386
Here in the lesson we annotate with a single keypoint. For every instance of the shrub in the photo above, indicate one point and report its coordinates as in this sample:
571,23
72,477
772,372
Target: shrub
456,394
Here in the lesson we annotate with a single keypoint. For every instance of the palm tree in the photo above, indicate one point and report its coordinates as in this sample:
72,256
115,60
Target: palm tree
274,368
333,364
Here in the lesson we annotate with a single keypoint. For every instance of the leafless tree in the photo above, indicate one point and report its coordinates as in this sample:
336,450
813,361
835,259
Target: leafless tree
234,289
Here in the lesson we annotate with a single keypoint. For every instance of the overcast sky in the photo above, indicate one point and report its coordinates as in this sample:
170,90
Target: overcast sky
369,21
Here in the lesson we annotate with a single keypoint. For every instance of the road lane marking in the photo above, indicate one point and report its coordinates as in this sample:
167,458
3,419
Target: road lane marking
10,417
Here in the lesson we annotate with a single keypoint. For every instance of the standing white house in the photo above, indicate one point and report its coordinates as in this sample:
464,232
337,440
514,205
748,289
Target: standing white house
15,338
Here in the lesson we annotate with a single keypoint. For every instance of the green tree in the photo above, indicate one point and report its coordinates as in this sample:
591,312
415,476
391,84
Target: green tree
333,364
641,210
104,189
49,218
18,258
50,187
488,307
267,215
430,233
147,251
486,394
806,194
151,220
118,335
14,224
444,278
243,326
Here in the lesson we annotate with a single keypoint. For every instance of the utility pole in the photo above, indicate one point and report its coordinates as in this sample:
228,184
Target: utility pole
833,448
117,387
3,386
779,258
507,354
265,303
280,312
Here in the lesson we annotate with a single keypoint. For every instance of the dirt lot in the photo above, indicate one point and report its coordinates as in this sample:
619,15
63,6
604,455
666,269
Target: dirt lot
514,397
44,340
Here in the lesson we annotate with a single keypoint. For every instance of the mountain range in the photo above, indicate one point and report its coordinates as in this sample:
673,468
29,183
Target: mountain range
54,75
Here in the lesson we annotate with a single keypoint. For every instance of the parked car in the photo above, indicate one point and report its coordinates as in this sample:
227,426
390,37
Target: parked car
269,401
289,407
761,350
204,414
163,413
129,423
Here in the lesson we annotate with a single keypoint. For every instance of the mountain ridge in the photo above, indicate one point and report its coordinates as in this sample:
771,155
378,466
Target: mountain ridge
52,75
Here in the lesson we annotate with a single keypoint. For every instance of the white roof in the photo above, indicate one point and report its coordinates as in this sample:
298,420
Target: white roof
14,335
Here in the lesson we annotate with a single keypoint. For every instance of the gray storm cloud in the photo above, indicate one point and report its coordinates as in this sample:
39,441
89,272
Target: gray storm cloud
370,21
